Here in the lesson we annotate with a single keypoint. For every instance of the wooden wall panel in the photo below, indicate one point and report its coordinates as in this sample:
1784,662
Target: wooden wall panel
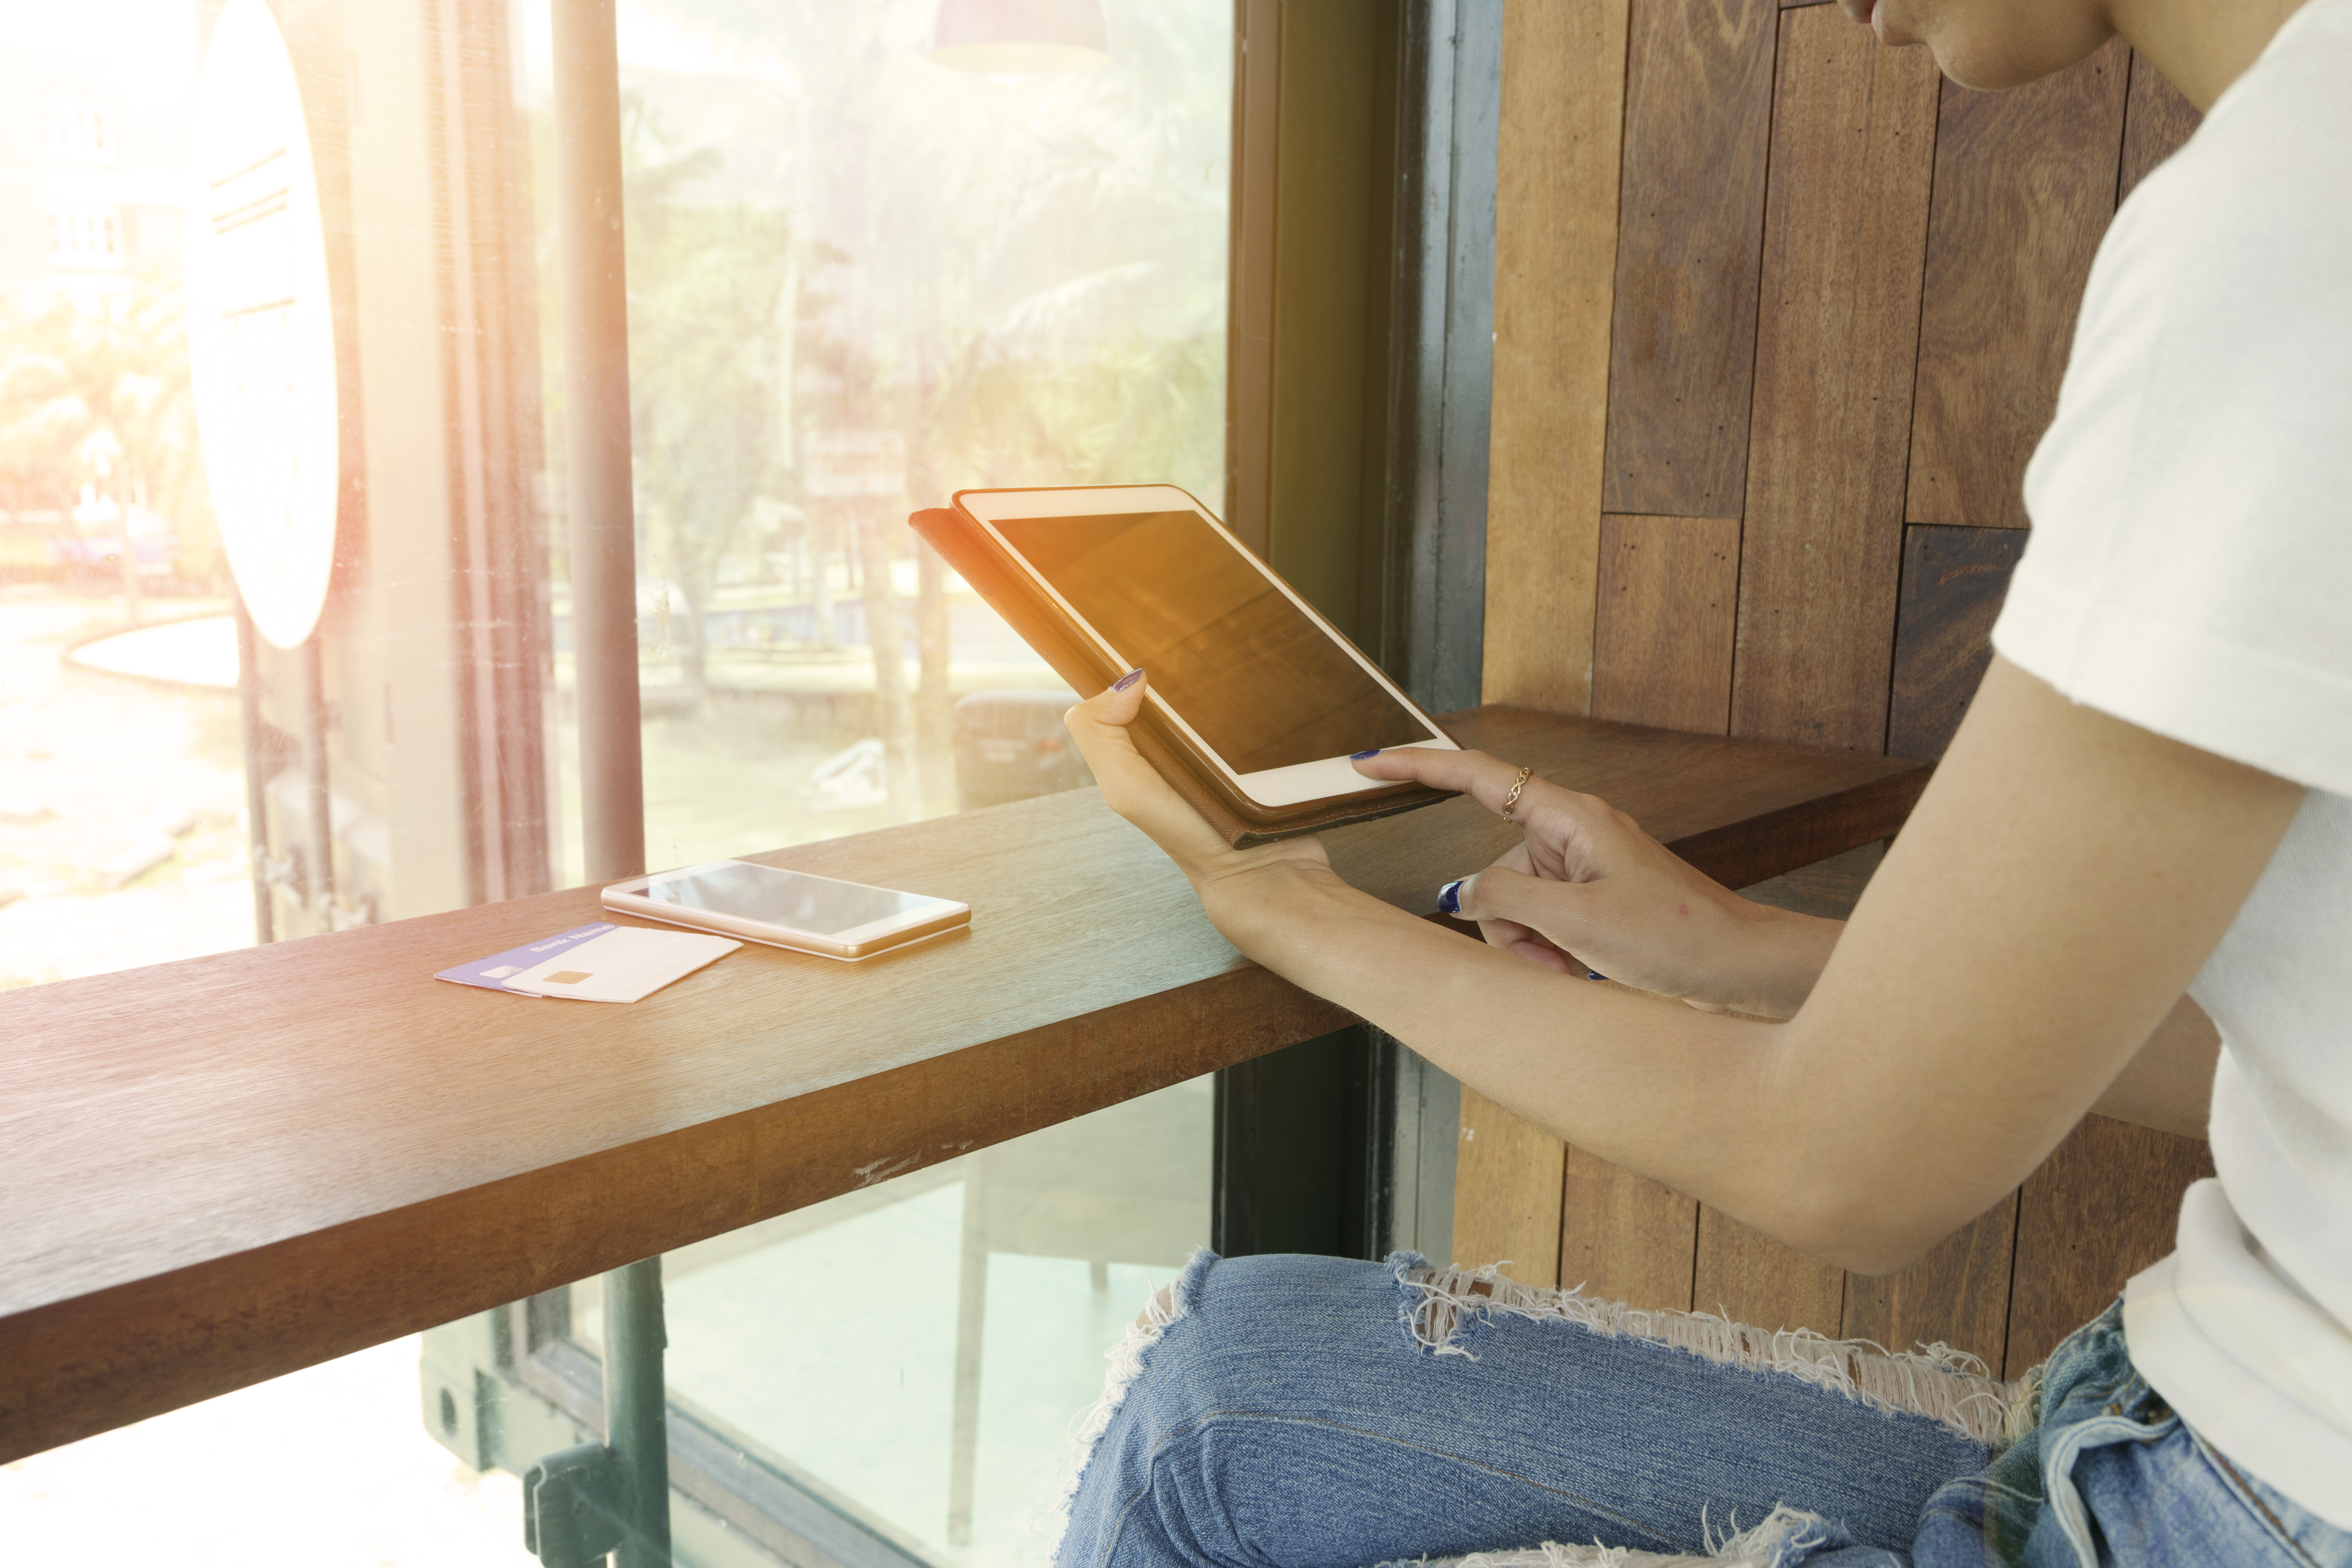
1662,655
1957,1295
1625,1237
1690,230
1555,261
1662,636
1506,1190
2101,1208
1845,231
1893,312
1954,580
2025,183
2157,120
1749,1278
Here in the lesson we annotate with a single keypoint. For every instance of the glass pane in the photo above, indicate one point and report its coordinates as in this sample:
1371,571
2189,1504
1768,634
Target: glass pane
921,1350
326,1466
859,280
121,775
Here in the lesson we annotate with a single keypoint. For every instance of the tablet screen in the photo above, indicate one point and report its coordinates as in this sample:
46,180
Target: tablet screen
818,905
1257,680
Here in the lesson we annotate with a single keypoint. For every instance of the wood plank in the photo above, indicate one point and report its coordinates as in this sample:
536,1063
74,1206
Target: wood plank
1662,641
1954,580
1555,263
2025,184
334,1148
1624,1238
1634,1239
1844,242
2102,1207
2157,120
1829,889
1748,1277
1690,239
1506,1192
1957,1295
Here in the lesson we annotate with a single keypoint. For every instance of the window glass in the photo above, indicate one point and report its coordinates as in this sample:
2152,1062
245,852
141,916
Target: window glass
920,1354
861,280
285,648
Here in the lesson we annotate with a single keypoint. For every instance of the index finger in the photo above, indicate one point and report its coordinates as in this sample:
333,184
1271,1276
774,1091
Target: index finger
1474,773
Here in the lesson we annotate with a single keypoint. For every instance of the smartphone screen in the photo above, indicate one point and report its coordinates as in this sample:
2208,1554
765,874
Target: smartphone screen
1260,682
818,905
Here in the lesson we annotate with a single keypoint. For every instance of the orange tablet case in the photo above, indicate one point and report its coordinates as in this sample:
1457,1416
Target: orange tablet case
1043,625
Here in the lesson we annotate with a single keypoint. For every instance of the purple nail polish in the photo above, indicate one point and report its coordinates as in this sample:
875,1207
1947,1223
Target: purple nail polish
1594,974
1124,681
1360,756
1449,897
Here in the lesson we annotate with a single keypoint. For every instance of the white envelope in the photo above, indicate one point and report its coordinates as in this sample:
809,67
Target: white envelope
624,965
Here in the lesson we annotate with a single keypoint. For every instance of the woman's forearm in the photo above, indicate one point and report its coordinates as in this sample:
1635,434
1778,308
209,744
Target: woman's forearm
1773,970
1670,1091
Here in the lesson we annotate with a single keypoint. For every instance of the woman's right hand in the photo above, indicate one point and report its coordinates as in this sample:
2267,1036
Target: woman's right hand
1587,890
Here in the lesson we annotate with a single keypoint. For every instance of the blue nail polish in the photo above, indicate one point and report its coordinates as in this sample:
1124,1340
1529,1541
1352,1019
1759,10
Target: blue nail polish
1124,681
1449,897
1360,756
1594,974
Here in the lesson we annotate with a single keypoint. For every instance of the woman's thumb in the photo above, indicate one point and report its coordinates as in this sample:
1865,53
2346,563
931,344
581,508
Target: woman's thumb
1117,703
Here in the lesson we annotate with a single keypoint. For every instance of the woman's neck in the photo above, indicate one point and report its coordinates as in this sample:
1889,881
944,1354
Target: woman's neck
2201,46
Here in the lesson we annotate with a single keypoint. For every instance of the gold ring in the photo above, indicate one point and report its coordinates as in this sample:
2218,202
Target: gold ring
1517,784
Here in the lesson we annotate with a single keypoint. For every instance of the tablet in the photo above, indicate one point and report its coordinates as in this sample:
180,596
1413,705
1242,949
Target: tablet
788,908
1245,675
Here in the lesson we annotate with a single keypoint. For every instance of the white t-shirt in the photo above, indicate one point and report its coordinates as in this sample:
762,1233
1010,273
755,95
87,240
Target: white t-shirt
2191,571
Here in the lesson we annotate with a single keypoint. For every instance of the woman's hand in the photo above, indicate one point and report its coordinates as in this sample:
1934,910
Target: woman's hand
1587,890
1133,788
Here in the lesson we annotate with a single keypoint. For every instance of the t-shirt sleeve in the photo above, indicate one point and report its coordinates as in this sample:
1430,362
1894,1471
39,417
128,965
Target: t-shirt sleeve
2191,563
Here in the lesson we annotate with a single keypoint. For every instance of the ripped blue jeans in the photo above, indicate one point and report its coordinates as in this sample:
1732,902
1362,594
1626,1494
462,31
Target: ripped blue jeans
1290,1412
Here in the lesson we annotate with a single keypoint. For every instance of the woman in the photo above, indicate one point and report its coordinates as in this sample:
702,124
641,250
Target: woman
2154,787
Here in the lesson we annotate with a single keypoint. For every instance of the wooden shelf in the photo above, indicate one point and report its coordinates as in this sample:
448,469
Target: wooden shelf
229,1168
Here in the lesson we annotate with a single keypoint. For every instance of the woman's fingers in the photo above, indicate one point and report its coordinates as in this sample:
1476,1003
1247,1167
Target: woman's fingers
1488,780
1559,911
1472,774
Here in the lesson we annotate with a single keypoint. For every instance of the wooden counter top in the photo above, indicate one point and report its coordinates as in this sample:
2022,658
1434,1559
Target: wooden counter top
225,1168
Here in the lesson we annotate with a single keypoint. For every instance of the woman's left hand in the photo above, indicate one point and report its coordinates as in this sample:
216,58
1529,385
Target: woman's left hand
1133,788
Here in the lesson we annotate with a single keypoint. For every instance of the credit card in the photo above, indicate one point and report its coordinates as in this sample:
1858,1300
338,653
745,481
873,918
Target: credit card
625,965
492,974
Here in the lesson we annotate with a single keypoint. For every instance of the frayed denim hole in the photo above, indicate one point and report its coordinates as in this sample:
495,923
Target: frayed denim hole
1130,1359
1936,1382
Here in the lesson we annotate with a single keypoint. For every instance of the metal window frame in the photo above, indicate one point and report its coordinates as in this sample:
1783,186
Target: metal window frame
1385,1121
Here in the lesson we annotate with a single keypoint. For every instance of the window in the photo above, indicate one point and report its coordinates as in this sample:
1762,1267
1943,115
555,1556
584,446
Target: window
86,237
78,129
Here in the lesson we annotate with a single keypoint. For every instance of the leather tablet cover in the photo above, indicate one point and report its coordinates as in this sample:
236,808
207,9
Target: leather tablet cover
1041,624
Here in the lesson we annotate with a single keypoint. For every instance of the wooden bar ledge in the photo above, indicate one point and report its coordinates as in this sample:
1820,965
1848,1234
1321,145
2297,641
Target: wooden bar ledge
225,1168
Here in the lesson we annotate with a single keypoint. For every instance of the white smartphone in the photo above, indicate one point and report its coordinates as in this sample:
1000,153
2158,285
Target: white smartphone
1266,691
789,908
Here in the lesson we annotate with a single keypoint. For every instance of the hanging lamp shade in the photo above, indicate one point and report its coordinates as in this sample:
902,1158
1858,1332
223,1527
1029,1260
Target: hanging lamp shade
1021,35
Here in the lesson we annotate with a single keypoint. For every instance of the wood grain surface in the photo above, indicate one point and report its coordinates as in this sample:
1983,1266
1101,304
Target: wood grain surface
1749,1278
1954,580
2157,120
1623,1236
2025,184
1506,1192
1844,237
1662,640
1690,234
1555,261
2101,1208
1957,1295
232,1167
